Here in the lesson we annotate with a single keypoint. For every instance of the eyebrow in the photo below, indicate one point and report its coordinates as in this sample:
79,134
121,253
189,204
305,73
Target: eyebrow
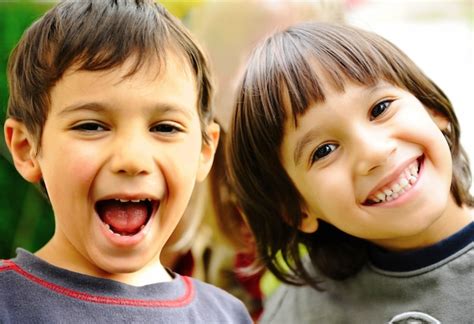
161,108
302,143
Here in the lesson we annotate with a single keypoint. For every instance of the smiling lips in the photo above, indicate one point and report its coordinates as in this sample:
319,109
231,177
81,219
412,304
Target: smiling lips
397,188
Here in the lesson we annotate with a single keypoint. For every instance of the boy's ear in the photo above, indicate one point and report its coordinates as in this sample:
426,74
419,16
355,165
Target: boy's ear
439,119
23,150
208,150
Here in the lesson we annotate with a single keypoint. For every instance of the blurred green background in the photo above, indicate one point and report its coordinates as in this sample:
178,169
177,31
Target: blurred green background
26,219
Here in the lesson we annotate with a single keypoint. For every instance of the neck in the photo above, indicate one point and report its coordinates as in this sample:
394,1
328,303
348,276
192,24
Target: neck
63,257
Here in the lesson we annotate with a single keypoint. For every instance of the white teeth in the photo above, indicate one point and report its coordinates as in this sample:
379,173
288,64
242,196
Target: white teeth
110,230
407,178
133,200
396,188
403,182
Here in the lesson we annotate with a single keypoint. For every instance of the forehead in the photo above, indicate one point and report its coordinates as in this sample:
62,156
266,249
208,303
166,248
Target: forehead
170,64
171,83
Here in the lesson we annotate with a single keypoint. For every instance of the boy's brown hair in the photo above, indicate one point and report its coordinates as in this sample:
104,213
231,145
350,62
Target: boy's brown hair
97,35
281,78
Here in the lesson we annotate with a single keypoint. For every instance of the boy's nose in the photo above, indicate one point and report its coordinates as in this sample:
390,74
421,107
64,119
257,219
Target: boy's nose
374,149
131,157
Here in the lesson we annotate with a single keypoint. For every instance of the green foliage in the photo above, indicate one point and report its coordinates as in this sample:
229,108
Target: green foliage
26,218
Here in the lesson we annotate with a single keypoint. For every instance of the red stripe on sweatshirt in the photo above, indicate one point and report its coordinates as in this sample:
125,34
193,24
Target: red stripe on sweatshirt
178,302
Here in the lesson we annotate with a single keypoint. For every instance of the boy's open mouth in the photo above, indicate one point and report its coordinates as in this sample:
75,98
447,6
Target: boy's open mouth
126,217
397,188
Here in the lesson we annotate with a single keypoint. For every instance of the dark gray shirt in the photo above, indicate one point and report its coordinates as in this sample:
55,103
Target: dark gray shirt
33,291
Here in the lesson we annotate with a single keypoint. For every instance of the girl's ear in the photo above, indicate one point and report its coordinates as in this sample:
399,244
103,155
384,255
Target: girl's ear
440,120
309,223
23,150
208,150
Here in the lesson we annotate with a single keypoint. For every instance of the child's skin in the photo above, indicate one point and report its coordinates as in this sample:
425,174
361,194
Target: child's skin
366,140
110,137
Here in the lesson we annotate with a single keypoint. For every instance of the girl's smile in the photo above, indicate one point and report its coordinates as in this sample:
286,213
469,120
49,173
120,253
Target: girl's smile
391,190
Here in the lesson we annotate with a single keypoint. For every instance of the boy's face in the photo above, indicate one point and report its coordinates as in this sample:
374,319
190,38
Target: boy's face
120,158
373,162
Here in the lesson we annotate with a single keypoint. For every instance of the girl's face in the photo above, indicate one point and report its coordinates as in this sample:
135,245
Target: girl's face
372,161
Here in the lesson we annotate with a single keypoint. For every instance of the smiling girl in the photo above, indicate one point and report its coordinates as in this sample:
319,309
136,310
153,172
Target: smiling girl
340,143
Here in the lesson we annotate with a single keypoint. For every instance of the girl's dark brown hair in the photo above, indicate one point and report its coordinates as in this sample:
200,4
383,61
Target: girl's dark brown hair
97,35
282,76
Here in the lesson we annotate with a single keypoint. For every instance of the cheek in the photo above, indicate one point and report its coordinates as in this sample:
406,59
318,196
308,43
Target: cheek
185,159
179,167
71,165
82,169
325,192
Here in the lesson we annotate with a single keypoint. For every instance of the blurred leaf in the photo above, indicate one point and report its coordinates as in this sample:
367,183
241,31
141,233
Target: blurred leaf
180,8
25,216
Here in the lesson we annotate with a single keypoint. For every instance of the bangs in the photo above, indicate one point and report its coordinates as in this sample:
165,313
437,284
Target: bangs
298,66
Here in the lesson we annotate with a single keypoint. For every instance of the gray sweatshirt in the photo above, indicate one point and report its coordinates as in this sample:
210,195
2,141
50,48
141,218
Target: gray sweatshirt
431,285
33,291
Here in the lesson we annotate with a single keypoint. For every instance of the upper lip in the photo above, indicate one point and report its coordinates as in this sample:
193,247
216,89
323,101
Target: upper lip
129,196
394,175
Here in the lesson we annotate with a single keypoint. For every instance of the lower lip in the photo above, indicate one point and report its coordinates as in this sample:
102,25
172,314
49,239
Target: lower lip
125,240
406,196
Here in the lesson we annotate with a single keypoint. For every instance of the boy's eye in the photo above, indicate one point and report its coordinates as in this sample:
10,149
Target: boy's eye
322,151
165,128
89,127
379,109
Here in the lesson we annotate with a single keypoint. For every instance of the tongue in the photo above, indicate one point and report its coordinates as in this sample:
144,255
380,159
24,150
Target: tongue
124,218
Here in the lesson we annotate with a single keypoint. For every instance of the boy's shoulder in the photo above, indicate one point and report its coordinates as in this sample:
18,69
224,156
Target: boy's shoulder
212,293
211,297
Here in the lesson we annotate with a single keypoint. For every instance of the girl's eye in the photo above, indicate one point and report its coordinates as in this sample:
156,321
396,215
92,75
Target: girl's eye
89,127
165,128
323,151
379,109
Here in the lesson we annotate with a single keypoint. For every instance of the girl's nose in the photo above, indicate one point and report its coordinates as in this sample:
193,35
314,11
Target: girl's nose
373,149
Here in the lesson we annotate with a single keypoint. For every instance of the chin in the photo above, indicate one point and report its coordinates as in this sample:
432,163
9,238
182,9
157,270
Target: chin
123,268
121,264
